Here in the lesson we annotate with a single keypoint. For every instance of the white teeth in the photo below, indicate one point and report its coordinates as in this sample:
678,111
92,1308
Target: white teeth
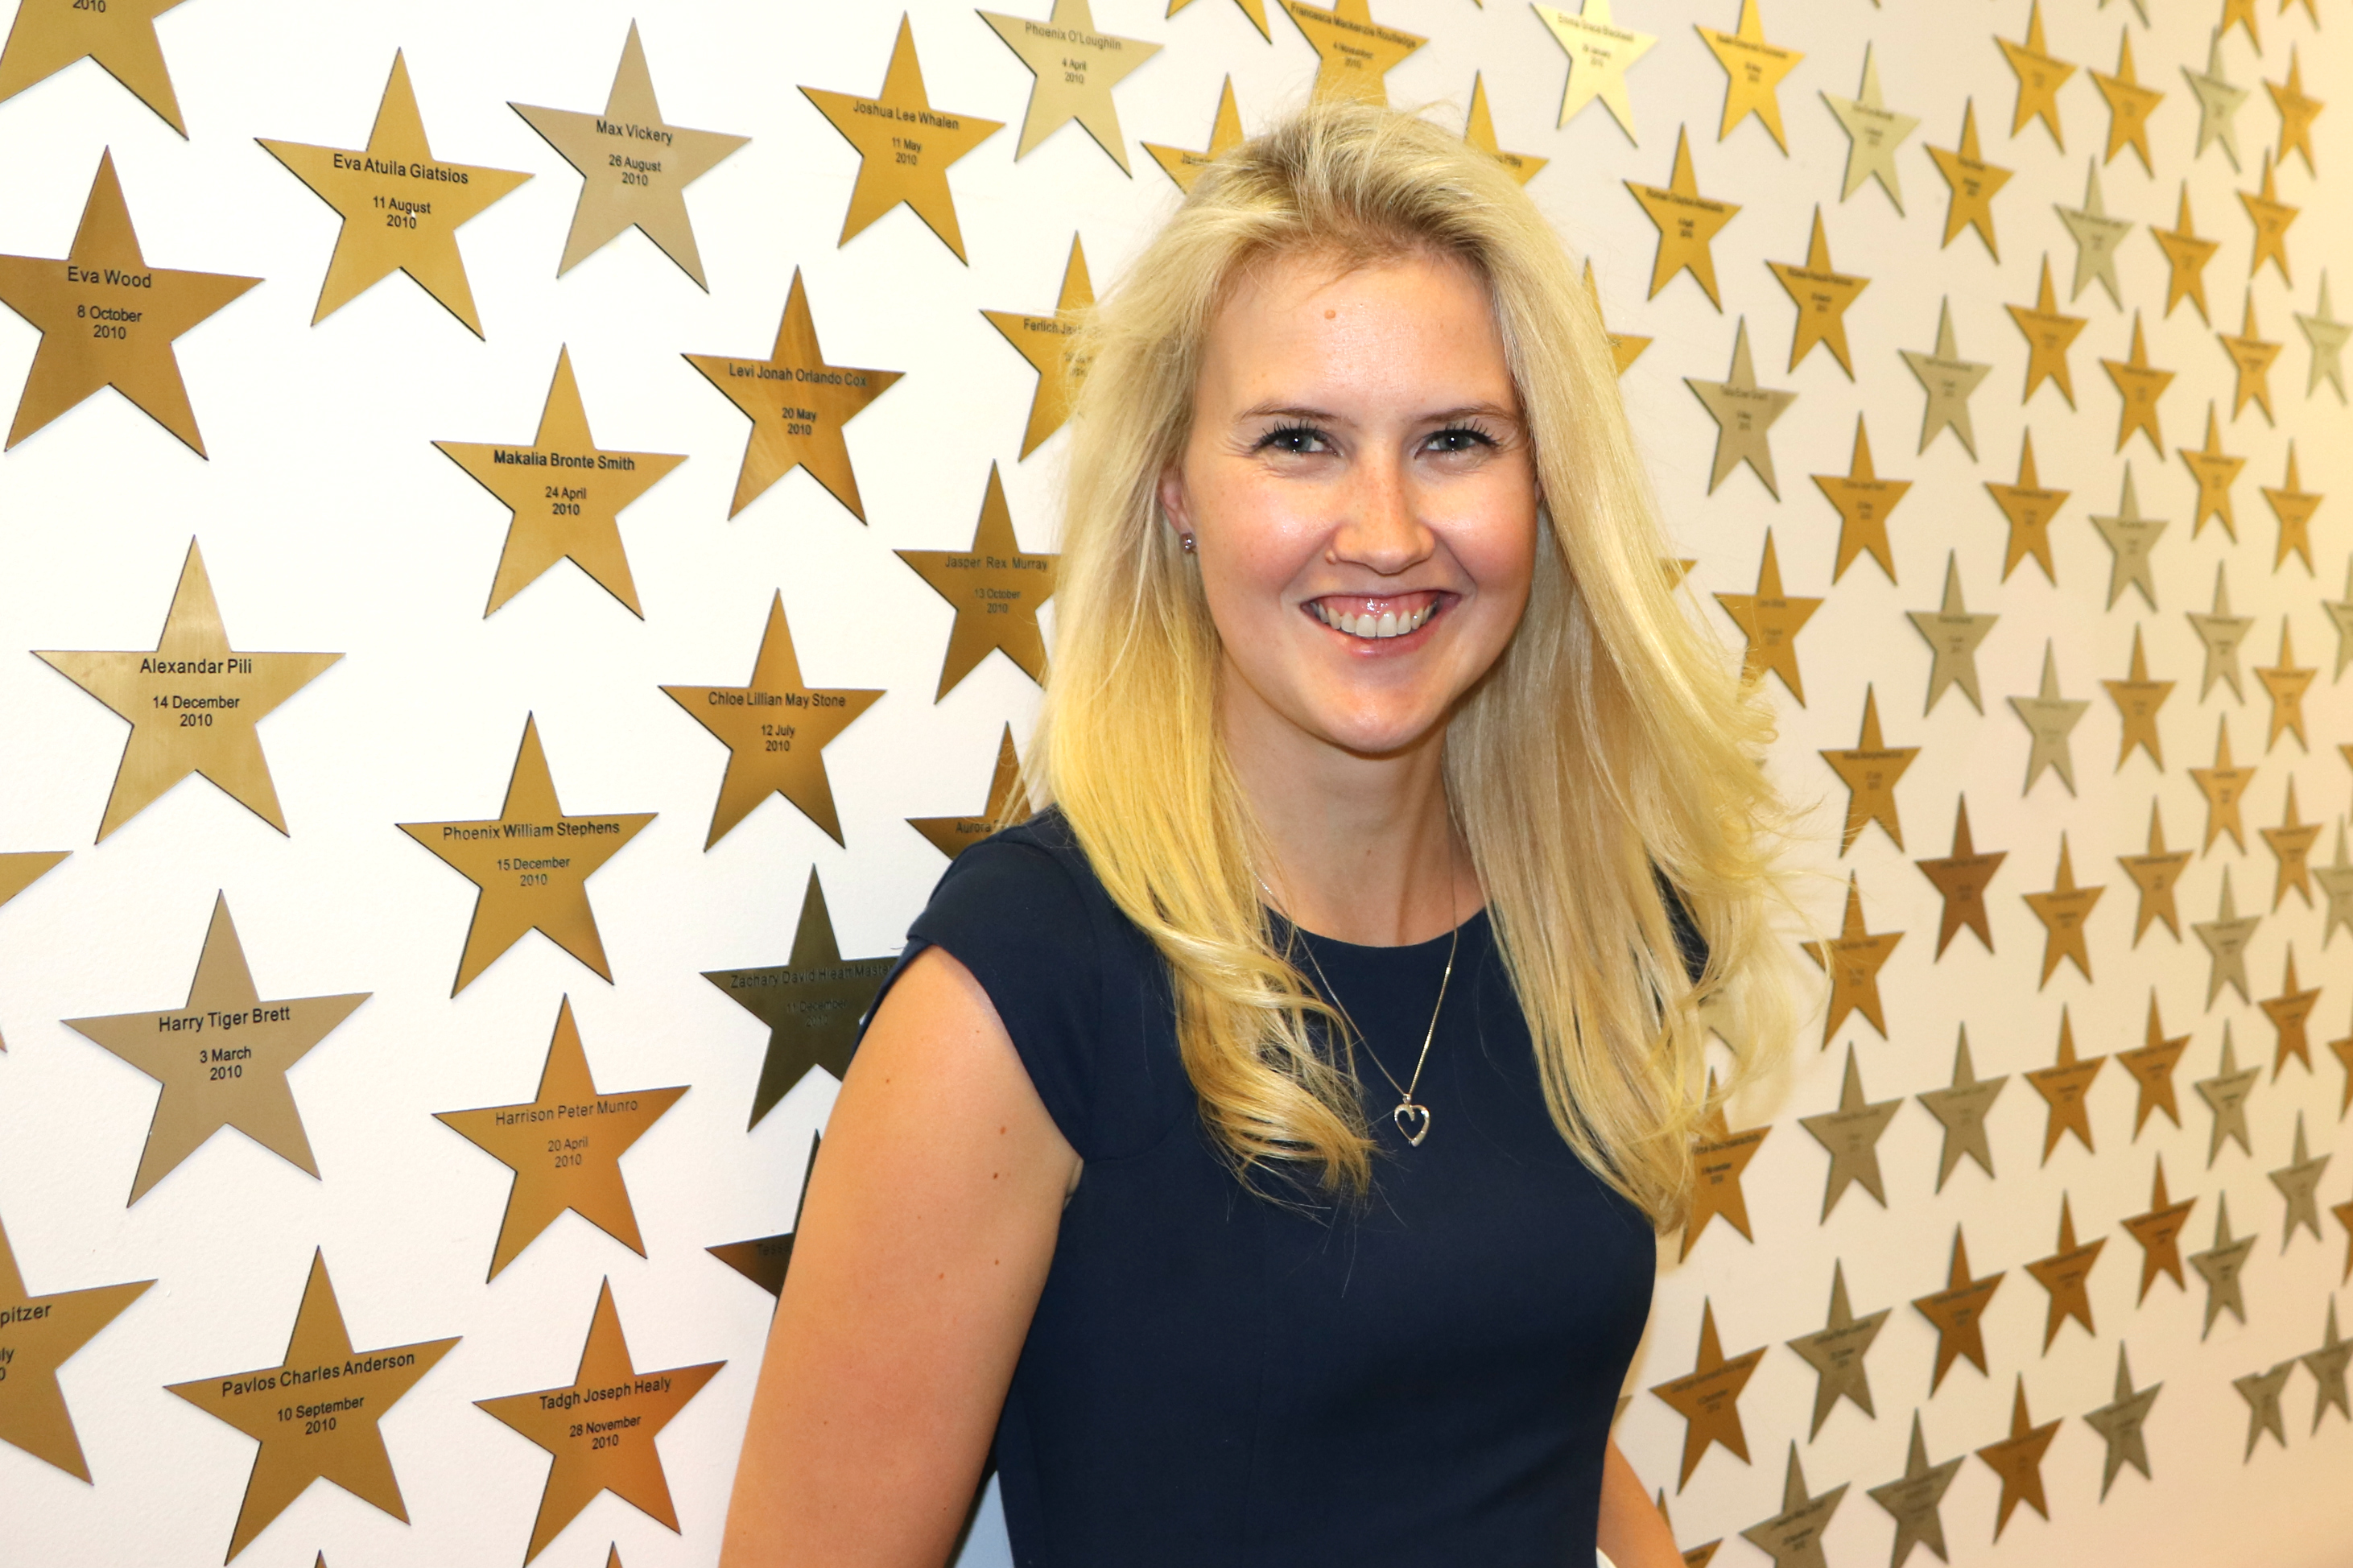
1387,625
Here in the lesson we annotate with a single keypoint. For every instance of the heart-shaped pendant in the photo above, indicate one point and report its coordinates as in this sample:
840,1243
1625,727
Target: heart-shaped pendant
1412,1121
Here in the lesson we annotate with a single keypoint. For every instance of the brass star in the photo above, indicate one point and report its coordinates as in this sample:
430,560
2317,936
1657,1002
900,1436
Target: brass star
997,592
1958,1311
2066,1277
1045,343
2030,510
565,1146
2155,875
1771,621
777,728
1953,634
2064,909
1600,51
634,166
2221,632
2287,683
2225,788
1853,959
1076,67
1836,1352
2137,696
396,176
2296,111
1822,295
2262,1391
2048,333
2324,336
2158,1232
1874,132
1793,1537
634,1406
1753,70
2270,217
2226,1095
2040,78
1960,878
1870,772
2152,1068
522,891
2138,387
108,319
2066,1087
345,1447
2050,718
1851,1135
2215,472
2218,104
1353,52
1914,1499
38,1335
2097,237
2251,357
1625,348
798,405
905,147
2018,1460
1479,129
194,704
50,35
2129,105
1007,802
1183,164
1973,181
2292,507
2119,1423
1708,1397
2337,890
766,1260
2290,1013
1744,412
2327,1365
564,495
220,1060
1686,221
1961,1111
1947,380
2132,540
1720,1158
2186,256
2299,1187
812,1004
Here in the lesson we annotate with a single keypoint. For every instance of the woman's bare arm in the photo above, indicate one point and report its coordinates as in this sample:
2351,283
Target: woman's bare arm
1633,1532
931,1219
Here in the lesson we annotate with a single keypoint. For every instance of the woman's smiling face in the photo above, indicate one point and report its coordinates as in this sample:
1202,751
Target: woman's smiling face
1361,495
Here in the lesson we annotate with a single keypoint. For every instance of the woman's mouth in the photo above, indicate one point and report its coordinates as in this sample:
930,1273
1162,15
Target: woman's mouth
1375,617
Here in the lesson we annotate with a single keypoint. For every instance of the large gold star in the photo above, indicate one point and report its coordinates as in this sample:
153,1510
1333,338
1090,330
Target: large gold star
2048,333
2129,105
2270,217
2096,237
1720,1157
108,319
905,146
1961,878
812,1004
193,704
2296,111
2225,938
2066,1277
2040,78
1076,66
1479,129
1007,802
1914,1499
564,495
2030,510
2137,699
2151,1066
634,166
1753,69
1853,959
2132,540
2018,1460
2139,386
776,730
316,1411
1961,1111
1771,621
1708,1397
2251,359
1600,51
220,1060
2215,472
1874,132
2155,875
2262,1390
995,590
798,405
1793,1537
2050,718
2063,908
2186,256
2226,1095
2291,846
2220,1266
1744,412
118,35
2158,1232
2286,683
1836,1352
1958,1312
2066,1087
2221,633
530,865
1045,341
2292,507
1183,164
38,1335
1947,380
1870,770
600,1430
2290,1014
2224,786
1974,183
401,206
1686,221
1953,634
1353,52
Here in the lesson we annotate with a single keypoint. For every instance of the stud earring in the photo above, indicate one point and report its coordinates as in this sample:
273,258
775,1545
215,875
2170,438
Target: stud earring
1186,540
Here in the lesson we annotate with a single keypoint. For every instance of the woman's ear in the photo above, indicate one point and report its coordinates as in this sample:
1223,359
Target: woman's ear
1174,505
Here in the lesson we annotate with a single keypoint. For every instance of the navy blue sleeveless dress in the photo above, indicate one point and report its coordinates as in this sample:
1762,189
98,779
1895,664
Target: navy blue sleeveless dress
1215,1380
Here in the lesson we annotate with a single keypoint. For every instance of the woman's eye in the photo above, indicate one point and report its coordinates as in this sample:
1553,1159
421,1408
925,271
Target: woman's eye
1295,438
1460,439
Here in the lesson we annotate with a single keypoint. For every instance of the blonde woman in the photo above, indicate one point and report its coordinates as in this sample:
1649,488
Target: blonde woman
1261,1150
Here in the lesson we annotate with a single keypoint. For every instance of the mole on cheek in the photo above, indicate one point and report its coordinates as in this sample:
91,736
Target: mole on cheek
1331,315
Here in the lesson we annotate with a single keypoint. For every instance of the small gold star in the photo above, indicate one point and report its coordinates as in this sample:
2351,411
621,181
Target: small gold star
1947,380
1959,1313
2139,386
2226,937
2029,509
1686,221
1353,54
1870,772
2129,105
1961,878
1770,620
2225,788
2040,78
2155,875
1874,132
1853,959
2186,256
2271,217
2294,507
2048,334
2152,1068
1974,183
2063,908
2221,632
1744,412
1753,69
1598,52
1480,131
1708,1397
2018,1460
2097,237
1865,502
2066,1276
2336,889
1961,1110
1076,66
2160,1234
2137,699
2241,13
906,146
2299,1185
2050,718
2297,112
2132,540
2251,358
2290,1013
2291,846
1822,295
1183,164
1953,634
2287,683
2066,1087
2220,1265
2216,471
2218,104
1720,1158
2326,336
1045,341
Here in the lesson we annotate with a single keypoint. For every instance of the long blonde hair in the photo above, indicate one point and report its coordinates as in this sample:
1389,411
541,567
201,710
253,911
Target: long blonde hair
1611,745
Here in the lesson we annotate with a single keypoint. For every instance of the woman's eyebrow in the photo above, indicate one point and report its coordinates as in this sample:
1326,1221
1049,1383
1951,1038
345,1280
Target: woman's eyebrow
1290,411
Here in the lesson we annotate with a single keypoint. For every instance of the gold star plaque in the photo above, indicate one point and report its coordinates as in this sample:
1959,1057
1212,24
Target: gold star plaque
2225,788
1183,164
1770,620
118,35
564,1146
1600,51
2152,1067
599,1432
812,1004
1851,1135
1045,343
2064,911
2329,1365
2285,683
2132,540
1480,131
2129,105
2291,846
19,871
2299,1187
2048,333
1874,132
1836,1352
1625,348
1953,634
2221,633
1961,1111
1960,878
1853,959
522,889
2290,1013
2226,1094
2215,472
2137,696
2139,386
1974,183
905,146
2251,359
1720,1158
1958,1311
316,1411
2065,1276
2270,217
2040,78
766,1260
2050,719
1753,69
1914,1499
2226,937
106,318
1870,772
952,836
1947,380
2066,1087
564,495
2186,256
2218,104
1708,1397
2293,507
221,1060
2297,111
1353,52
2324,336
2029,509
2154,874
1822,295
193,704
2158,1232
2220,1266
798,406
401,206
1686,221
38,1335
1743,413
2262,1391
2018,1460
2097,237
776,730
1793,1537
634,166
1076,67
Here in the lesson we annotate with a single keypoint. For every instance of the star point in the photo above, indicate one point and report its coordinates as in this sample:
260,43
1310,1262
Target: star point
1479,129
